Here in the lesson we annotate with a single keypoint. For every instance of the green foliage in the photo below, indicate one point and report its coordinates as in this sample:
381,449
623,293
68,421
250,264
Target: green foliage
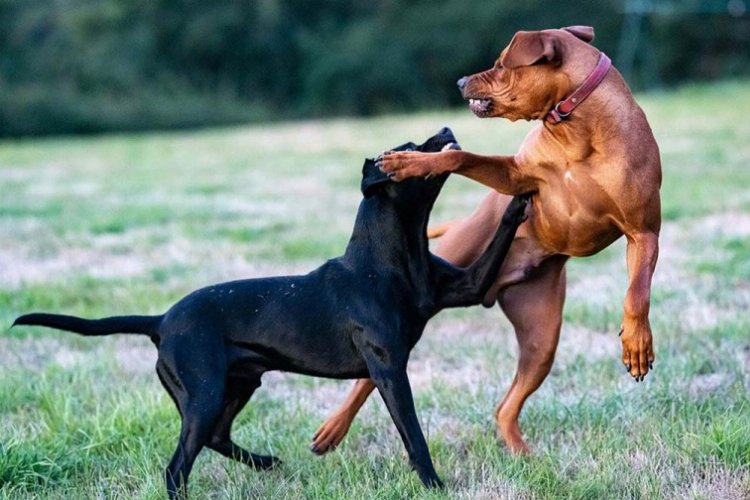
85,66
734,264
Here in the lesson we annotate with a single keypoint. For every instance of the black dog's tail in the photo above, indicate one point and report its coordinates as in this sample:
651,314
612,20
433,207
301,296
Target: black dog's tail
146,325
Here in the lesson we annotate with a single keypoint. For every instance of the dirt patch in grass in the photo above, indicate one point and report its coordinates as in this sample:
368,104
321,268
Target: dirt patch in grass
731,224
135,356
16,269
744,357
705,385
126,255
717,483
29,354
577,340
33,255
490,488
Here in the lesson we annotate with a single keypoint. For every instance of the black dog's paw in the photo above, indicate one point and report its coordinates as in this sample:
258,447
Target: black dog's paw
265,462
429,477
433,482
516,209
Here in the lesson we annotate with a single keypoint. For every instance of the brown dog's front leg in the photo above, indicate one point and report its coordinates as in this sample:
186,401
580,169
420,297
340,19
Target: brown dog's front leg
332,431
400,165
501,173
637,346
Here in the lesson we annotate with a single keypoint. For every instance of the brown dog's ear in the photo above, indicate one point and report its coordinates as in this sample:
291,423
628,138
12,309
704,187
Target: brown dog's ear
585,33
529,47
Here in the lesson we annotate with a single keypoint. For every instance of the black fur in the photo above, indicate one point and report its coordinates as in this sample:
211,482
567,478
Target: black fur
358,315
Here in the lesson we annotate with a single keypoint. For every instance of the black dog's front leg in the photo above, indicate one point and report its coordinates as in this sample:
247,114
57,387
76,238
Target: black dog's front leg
395,389
393,384
466,287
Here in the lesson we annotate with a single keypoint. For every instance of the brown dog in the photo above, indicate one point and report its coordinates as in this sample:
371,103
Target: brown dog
595,175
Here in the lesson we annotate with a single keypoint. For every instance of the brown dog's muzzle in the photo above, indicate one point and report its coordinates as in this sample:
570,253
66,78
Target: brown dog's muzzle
480,105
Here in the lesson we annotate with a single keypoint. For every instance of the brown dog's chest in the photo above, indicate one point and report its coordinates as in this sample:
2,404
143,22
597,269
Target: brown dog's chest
573,213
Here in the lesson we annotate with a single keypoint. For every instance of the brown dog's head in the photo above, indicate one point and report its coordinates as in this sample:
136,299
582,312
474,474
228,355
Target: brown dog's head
533,73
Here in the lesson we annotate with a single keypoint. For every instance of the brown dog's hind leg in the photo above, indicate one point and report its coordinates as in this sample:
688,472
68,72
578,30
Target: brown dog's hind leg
461,243
438,230
534,307
332,431
465,240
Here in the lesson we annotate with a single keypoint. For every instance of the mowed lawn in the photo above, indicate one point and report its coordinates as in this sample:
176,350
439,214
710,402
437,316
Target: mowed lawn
126,224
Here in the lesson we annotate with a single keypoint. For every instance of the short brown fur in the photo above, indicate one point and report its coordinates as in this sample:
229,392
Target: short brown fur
595,177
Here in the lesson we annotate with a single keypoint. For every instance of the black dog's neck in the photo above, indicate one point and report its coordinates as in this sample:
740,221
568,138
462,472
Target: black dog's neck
387,236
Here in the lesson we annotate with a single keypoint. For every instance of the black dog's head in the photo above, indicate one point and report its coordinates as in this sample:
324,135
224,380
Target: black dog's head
415,191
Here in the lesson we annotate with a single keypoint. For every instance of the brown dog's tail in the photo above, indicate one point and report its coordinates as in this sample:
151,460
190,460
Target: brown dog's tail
438,230
146,325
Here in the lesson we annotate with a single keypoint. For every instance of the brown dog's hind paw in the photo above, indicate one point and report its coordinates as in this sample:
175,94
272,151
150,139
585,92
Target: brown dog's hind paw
322,449
330,434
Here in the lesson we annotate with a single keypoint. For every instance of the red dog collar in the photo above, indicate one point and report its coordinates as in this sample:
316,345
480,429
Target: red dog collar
563,108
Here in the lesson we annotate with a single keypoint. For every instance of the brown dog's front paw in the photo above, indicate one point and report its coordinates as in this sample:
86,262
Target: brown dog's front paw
400,165
637,351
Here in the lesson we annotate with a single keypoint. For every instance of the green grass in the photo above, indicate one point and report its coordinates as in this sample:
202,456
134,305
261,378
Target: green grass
129,223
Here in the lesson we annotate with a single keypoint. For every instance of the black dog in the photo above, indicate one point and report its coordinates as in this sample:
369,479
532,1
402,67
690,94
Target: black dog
357,316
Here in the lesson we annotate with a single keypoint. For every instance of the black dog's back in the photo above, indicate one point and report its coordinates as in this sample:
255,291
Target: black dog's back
290,323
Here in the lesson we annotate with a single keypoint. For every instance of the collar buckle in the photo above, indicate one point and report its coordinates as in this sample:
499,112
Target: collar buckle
556,115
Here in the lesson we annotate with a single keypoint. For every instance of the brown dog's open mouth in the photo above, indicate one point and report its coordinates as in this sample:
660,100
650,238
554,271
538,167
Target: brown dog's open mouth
480,107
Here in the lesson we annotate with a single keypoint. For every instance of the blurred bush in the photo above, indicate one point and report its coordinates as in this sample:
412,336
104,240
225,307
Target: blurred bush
83,66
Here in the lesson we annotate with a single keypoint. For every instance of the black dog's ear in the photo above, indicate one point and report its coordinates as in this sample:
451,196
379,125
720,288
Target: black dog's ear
409,146
372,178
444,139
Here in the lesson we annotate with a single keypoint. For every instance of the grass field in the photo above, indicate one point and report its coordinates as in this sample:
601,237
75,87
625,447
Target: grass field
129,223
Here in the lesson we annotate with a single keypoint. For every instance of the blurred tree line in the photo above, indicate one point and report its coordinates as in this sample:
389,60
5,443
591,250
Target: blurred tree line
82,66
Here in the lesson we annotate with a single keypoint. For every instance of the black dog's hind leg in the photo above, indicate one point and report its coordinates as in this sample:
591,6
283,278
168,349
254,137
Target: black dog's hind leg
199,418
393,384
238,393
196,384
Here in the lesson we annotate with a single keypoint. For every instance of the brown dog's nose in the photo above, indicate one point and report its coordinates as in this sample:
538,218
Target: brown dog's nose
462,83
